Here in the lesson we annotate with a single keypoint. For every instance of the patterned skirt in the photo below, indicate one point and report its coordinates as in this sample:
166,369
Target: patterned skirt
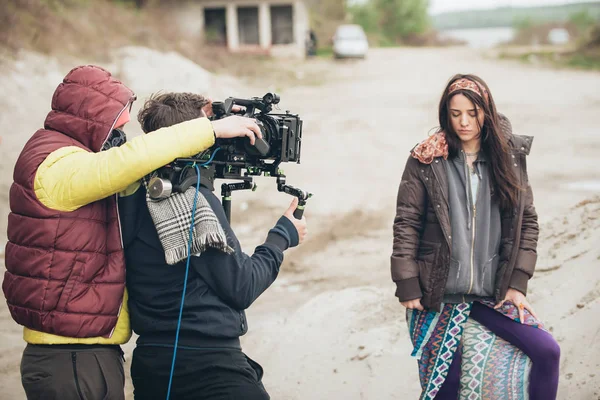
491,368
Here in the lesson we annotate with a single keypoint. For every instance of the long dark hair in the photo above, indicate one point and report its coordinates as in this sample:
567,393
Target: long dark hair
494,141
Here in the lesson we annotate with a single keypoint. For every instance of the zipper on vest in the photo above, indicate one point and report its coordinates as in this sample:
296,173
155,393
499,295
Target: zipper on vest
117,194
122,247
472,249
118,214
473,199
115,122
74,359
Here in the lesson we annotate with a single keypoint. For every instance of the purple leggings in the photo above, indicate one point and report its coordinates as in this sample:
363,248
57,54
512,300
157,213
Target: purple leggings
539,346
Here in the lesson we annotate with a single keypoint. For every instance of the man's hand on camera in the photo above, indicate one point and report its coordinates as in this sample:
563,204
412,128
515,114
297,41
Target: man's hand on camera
235,126
299,224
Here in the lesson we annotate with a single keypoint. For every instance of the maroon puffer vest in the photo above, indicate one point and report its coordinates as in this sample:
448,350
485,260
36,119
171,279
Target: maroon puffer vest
65,271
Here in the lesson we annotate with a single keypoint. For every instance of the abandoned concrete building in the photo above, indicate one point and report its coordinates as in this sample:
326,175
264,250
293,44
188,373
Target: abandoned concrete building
276,27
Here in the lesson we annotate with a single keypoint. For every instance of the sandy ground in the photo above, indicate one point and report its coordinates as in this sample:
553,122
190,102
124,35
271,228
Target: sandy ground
330,327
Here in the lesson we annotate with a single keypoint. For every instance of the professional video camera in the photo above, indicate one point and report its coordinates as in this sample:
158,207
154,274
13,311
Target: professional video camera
237,159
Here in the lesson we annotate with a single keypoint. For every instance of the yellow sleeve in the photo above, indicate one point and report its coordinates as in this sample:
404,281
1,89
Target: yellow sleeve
70,177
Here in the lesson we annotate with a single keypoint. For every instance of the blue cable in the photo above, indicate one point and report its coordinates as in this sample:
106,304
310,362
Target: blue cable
187,265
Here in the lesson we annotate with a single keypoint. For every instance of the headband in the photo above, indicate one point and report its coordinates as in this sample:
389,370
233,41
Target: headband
466,84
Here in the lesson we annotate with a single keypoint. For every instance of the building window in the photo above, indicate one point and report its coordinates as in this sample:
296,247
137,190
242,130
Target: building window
248,25
215,26
282,24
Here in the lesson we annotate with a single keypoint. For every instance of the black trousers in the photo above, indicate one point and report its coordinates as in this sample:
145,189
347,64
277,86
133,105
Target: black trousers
200,374
73,372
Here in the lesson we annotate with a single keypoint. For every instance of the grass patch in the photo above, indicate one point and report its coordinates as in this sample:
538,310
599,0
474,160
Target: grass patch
326,52
583,61
573,60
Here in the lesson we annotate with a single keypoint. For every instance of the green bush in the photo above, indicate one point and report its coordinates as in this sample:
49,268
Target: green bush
392,21
583,20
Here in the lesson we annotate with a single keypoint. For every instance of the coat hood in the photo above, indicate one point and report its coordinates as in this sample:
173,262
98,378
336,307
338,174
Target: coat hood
86,105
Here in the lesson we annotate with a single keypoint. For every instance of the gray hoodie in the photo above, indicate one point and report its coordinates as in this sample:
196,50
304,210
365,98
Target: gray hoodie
476,229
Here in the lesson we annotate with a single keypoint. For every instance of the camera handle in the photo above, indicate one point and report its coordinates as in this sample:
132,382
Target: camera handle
302,195
226,190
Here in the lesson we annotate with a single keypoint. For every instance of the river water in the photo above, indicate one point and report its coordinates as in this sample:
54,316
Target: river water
481,37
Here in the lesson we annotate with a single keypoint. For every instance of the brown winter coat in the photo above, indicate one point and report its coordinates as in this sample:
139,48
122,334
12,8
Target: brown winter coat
422,235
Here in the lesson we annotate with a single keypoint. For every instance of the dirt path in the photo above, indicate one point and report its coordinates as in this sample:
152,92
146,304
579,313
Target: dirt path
330,327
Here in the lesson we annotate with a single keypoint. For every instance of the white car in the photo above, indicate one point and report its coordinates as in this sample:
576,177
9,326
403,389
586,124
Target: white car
350,41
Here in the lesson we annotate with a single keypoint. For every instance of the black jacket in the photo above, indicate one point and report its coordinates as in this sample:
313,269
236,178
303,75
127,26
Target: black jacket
220,286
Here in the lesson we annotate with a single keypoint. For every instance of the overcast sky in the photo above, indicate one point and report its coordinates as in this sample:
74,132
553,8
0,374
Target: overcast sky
438,6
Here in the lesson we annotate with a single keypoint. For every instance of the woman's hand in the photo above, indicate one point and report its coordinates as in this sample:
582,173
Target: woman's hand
413,304
519,300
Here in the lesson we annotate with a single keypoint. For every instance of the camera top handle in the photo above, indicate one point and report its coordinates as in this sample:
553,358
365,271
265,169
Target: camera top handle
264,104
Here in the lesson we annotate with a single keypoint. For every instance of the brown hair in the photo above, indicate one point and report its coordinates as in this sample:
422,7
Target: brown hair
494,141
162,110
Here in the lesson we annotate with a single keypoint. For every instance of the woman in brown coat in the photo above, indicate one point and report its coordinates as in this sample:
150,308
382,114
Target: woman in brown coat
465,238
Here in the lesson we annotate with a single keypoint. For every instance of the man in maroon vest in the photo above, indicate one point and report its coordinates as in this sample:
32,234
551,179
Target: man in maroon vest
65,266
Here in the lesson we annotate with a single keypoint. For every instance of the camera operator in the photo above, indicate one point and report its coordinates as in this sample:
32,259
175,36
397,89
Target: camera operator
65,264
222,283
